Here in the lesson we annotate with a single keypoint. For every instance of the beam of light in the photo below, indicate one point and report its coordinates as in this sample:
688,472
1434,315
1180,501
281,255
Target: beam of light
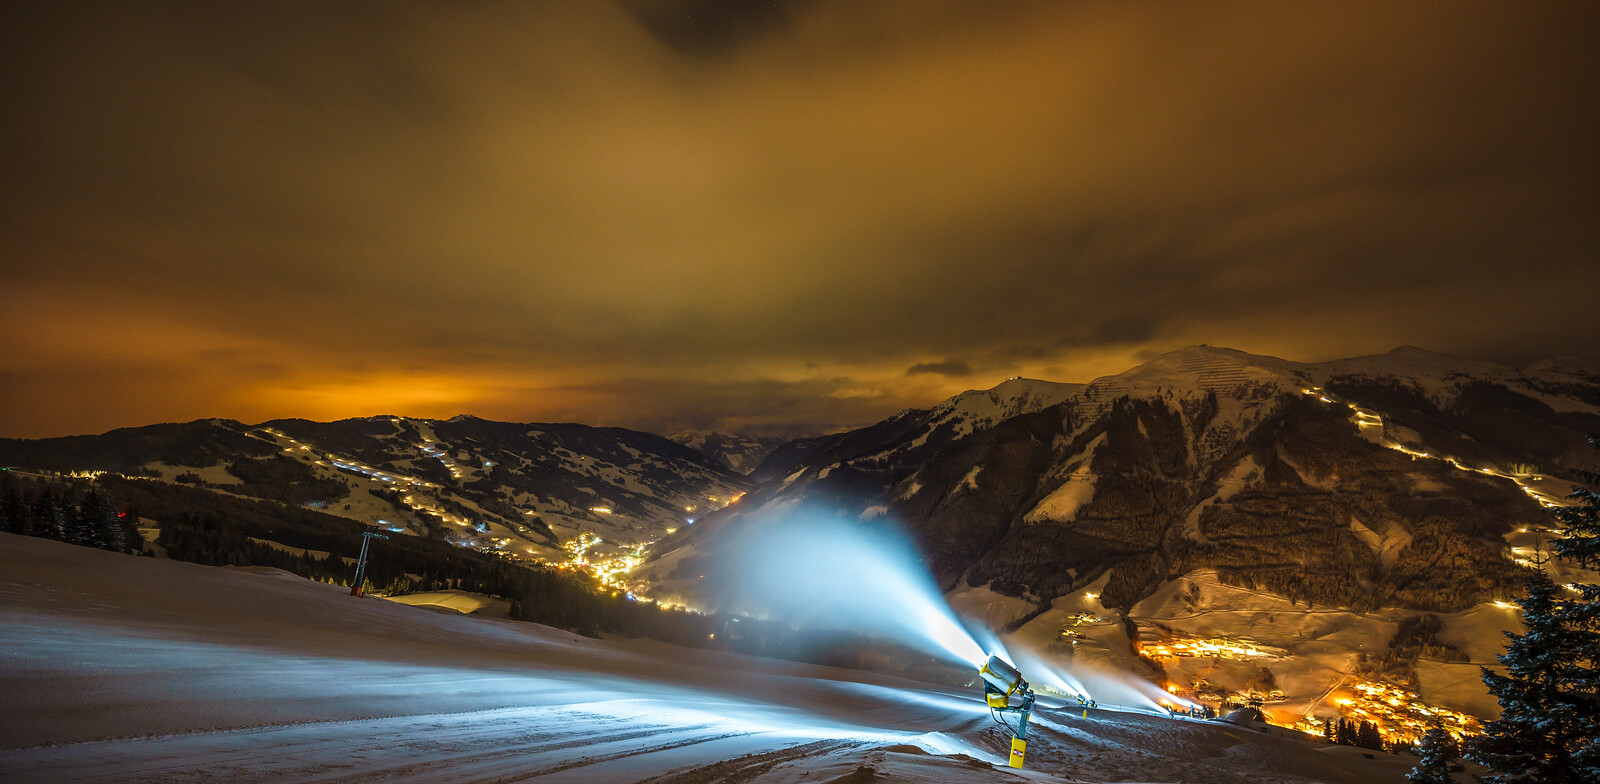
1108,687
990,642
1145,694
1042,673
963,705
221,670
819,570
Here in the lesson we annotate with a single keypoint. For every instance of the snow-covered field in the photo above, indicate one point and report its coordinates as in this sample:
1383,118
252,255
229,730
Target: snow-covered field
458,602
117,668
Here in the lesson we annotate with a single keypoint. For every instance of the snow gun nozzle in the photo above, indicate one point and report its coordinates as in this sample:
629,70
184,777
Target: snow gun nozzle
1001,681
1000,675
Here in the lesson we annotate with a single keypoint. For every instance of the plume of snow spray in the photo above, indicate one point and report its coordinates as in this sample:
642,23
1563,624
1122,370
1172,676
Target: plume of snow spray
1110,687
1105,685
817,569
1046,675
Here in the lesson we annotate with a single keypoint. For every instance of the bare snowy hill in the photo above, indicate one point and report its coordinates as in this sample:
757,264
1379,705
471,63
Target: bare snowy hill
141,669
782,460
739,454
1384,488
537,491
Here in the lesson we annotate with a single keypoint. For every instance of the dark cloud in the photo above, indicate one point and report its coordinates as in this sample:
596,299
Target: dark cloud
954,368
704,28
1118,330
533,211
755,407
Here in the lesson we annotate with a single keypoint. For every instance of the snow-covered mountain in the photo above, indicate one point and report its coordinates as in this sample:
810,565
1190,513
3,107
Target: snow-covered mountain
1397,484
531,490
1315,510
980,409
739,454
1150,461
783,459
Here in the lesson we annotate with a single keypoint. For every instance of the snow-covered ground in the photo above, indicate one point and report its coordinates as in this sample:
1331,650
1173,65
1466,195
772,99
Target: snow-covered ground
118,668
1311,652
454,601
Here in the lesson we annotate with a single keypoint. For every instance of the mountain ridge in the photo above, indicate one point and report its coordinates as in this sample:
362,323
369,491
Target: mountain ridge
523,489
1169,410
1299,515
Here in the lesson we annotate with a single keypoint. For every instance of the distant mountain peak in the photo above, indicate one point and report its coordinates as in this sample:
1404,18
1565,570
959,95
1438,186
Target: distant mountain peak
738,453
1574,366
1017,387
1015,395
1409,350
1202,368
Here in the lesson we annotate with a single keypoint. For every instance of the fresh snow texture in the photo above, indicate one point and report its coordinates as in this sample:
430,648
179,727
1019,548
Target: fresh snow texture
120,668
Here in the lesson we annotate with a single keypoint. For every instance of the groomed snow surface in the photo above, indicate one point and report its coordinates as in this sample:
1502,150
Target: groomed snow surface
119,668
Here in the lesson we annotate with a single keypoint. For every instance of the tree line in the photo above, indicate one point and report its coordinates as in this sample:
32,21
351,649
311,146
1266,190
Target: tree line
65,514
1349,733
201,526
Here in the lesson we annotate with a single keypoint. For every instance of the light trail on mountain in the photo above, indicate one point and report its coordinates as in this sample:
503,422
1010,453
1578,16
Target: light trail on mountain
1373,428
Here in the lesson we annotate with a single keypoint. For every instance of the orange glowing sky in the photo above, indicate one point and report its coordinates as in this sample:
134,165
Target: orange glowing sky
733,215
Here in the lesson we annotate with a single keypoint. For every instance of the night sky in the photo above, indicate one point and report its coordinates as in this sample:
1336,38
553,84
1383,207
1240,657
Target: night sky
732,215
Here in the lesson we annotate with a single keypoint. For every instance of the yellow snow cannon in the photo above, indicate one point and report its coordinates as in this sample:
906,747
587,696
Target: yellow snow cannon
1001,682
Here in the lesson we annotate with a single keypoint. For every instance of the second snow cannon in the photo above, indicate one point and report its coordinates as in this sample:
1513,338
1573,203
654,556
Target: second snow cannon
1001,682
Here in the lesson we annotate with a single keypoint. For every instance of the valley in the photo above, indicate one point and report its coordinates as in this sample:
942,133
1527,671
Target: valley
1230,526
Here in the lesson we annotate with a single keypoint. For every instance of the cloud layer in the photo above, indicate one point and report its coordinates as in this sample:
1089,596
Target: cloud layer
664,213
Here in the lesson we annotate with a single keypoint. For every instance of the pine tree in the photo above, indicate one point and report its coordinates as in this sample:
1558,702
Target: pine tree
99,516
15,511
49,519
1545,733
1367,736
1438,752
1580,545
1346,732
86,525
77,531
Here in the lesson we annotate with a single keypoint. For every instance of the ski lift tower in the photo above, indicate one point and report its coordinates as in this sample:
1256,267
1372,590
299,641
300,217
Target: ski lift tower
361,563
